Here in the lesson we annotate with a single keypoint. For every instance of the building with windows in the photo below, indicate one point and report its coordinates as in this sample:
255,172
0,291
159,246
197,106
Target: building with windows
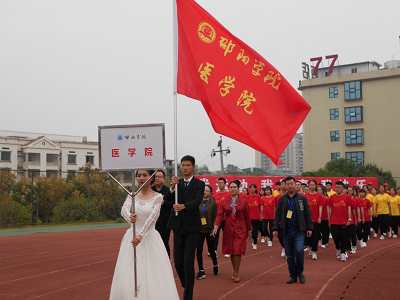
35,154
354,115
292,159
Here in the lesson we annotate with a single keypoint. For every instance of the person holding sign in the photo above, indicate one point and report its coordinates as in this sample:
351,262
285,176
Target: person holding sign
237,228
154,273
186,223
293,217
208,213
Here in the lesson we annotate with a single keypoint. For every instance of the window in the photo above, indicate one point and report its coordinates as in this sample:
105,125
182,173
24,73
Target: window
72,159
353,114
335,156
50,173
90,159
52,159
334,112
352,90
333,92
335,136
5,156
357,157
355,137
354,70
34,159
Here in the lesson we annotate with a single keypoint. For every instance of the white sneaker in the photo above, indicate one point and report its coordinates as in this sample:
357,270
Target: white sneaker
269,244
283,254
343,257
310,253
389,234
370,230
337,253
254,246
323,246
227,255
208,254
314,256
375,235
382,237
330,236
263,240
345,254
384,233
353,249
306,249
368,238
320,243
394,236
362,244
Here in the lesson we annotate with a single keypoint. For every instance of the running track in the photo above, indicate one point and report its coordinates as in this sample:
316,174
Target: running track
80,264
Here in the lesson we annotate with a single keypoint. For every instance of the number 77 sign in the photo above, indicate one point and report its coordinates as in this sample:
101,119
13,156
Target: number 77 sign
132,147
319,59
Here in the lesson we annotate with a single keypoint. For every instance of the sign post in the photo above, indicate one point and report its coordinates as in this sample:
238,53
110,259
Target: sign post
130,148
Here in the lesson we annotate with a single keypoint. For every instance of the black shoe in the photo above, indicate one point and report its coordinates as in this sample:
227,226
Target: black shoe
292,280
216,270
302,278
201,275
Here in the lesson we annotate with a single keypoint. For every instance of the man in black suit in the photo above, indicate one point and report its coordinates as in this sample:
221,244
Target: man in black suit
186,224
166,206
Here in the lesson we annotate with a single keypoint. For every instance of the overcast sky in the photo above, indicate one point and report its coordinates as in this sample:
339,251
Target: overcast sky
67,67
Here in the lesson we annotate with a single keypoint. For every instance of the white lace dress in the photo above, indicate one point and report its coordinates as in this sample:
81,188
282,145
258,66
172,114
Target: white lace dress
154,271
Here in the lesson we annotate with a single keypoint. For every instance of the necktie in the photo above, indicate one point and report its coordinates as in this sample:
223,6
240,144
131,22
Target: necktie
186,183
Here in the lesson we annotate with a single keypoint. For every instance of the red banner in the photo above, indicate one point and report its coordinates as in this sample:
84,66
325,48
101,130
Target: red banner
264,181
245,97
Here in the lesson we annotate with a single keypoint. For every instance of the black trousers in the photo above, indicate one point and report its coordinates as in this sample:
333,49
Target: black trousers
256,227
210,245
325,231
352,238
217,235
280,238
383,223
394,223
363,231
185,244
340,237
316,236
375,224
267,228
161,227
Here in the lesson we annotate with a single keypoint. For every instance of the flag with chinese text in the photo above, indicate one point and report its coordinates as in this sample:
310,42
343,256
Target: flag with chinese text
245,97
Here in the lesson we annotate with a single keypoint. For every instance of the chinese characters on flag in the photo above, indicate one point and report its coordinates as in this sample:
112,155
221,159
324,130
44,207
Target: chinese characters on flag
245,97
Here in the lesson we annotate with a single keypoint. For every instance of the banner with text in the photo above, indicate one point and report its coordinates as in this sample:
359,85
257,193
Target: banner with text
264,181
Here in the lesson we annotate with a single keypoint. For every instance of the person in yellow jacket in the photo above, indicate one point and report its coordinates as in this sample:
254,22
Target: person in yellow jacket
383,210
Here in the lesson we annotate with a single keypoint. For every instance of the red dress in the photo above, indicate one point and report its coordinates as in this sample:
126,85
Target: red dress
236,227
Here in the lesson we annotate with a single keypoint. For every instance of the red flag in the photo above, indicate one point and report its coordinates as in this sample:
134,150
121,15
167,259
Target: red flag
245,97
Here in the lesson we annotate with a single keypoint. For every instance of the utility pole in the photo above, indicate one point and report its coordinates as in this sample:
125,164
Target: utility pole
221,152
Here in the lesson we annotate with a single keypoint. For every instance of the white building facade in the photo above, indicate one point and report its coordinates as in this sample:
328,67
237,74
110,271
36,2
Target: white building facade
35,154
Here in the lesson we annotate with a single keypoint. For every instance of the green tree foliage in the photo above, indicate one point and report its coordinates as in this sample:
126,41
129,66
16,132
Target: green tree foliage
12,213
346,168
232,169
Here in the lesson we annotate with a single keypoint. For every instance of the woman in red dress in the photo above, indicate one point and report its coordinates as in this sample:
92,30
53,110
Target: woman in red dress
237,228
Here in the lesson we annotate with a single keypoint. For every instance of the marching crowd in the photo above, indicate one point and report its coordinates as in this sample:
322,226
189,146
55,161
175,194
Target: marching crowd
348,215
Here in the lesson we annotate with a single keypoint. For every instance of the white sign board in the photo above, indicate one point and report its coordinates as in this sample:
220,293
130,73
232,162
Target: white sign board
132,147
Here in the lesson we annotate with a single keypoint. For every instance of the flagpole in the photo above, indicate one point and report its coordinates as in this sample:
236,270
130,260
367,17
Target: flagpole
175,78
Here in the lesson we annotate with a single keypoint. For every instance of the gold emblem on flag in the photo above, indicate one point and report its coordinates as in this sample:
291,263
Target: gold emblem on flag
206,32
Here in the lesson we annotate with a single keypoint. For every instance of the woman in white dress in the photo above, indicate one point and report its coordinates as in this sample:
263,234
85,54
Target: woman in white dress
154,271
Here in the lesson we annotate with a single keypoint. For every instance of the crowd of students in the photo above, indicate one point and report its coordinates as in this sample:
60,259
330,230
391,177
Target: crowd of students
349,215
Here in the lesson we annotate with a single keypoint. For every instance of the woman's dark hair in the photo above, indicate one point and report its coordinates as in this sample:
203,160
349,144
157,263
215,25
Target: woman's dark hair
247,190
150,173
355,190
268,188
254,186
261,189
235,182
313,180
362,191
211,189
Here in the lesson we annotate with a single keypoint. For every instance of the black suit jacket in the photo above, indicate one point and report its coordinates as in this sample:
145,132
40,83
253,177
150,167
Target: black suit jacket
192,196
303,214
166,207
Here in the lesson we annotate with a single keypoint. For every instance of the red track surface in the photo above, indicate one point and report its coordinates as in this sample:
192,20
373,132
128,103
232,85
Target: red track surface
80,265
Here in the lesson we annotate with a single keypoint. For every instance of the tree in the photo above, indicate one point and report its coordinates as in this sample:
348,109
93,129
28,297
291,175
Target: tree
203,168
232,169
347,168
